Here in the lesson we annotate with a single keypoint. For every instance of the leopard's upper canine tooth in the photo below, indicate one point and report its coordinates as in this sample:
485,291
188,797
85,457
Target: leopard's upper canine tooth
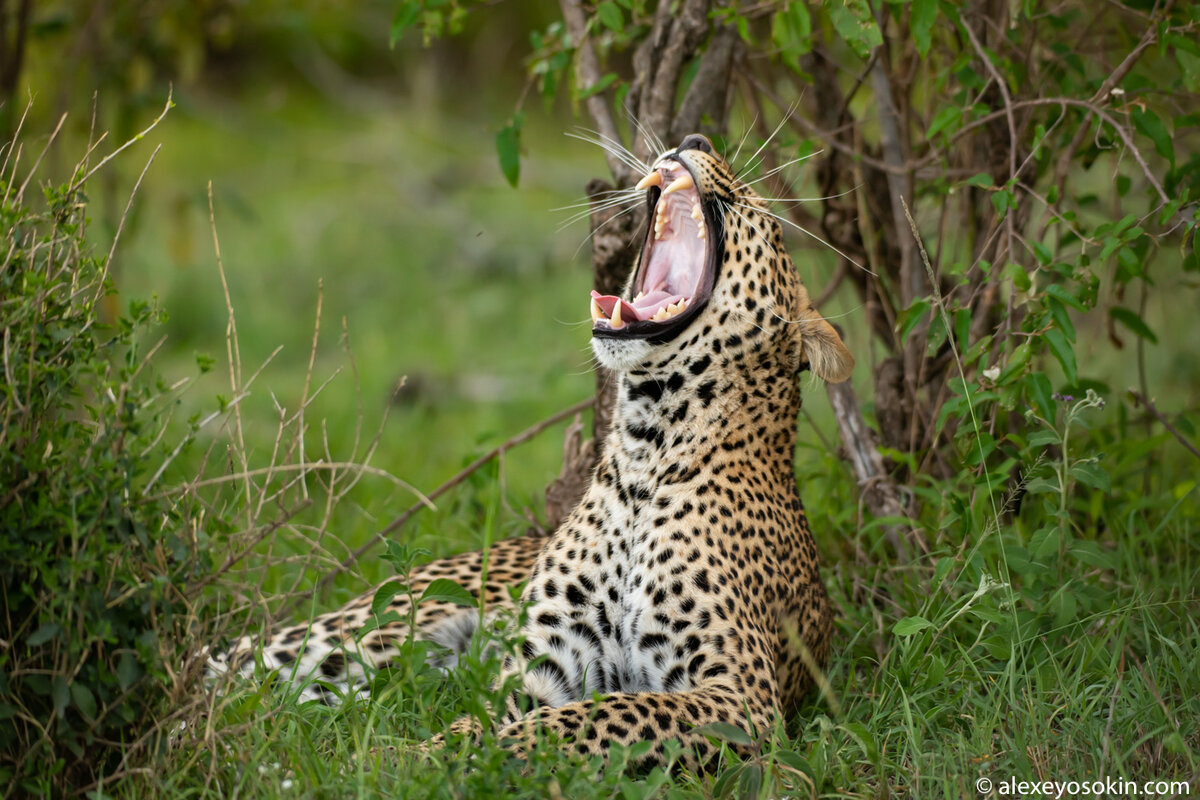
682,182
653,178
616,317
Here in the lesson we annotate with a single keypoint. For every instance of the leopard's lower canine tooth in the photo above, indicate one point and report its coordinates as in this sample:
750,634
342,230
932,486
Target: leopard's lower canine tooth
682,182
616,317
597,312
653,178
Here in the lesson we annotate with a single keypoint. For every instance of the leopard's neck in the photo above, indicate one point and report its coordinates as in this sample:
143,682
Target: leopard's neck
689,415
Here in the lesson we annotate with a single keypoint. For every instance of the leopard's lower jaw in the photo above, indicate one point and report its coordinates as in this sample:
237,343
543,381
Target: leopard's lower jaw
621,355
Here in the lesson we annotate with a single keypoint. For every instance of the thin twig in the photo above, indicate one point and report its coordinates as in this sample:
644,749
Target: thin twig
1148,404
465,473
232,351
169,105
121,225
38,162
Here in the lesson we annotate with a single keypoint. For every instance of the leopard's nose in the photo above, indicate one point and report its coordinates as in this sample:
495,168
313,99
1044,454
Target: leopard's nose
696,141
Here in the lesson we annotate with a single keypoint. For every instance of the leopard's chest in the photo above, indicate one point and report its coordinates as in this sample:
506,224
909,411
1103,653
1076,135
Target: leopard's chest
659,591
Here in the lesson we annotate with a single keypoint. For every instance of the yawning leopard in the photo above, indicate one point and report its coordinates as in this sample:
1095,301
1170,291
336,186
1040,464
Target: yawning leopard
683,589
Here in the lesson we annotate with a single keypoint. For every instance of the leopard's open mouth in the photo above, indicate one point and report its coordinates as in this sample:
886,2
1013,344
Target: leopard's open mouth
678,264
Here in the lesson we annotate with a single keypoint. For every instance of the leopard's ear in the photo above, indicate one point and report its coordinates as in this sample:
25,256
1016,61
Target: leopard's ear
822,349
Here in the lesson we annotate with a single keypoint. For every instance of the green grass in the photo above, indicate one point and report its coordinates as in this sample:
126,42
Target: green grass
1054,640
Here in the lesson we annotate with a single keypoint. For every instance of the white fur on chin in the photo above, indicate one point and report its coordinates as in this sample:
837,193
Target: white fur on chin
621,355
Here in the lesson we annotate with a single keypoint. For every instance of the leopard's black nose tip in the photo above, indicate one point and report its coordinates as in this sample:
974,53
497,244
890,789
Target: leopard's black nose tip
696,141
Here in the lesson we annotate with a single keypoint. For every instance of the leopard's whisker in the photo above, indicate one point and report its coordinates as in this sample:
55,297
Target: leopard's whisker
591,209
606,195
745,136
781,167
614,148
656,144
611,219
758,233
809,233
783,121
809,199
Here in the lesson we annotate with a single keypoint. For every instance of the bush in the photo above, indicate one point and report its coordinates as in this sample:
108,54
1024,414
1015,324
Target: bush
97,571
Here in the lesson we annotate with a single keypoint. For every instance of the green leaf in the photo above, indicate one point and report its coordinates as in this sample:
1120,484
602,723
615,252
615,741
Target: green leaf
1061,318
910,625
1044,437
725,732
1003,200
447,591
982,180
385,594
750,782
863,735
1044,543
84,700
920,22
597,87
1133,322
791,33
796,762
1038,390
42,635
1149,125
1091,474
855,23
508,148
128,670
1064,295
1044,256
60,693
948,116
376,622
406,17
610,14
1065,354
912,316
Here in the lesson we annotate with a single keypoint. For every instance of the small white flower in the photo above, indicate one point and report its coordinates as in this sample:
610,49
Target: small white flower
286,784
992,374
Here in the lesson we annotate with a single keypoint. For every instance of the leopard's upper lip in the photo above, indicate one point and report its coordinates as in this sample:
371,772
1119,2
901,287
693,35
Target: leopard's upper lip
675,271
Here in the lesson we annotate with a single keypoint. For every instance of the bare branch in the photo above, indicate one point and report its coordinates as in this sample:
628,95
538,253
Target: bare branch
708,90
462,475
684,33
587,76
1148,404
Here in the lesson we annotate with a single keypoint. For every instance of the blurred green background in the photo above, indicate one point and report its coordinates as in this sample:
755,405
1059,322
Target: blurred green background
364,172
345,168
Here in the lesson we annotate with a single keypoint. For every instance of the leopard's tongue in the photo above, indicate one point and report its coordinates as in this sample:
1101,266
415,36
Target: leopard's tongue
645,307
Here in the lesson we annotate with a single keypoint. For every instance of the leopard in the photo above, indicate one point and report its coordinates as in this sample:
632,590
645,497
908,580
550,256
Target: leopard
684,587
